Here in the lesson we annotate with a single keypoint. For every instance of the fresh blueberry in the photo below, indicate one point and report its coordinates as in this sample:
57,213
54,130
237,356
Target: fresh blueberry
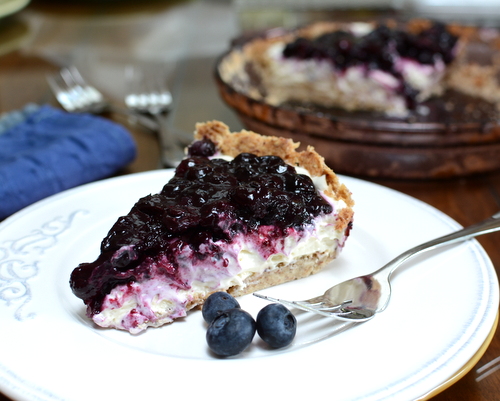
276,325
217,303
231,332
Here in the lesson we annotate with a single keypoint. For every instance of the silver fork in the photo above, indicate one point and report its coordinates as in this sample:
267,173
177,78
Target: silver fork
149,94
74,94
360,298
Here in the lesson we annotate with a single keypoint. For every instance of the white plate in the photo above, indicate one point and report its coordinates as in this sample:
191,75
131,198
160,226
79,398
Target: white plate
443,308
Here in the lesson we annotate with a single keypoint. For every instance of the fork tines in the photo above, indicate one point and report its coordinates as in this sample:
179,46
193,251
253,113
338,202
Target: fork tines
73,93
319,307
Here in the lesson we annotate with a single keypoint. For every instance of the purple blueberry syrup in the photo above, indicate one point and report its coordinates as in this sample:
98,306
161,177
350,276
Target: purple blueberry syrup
378,50
207,199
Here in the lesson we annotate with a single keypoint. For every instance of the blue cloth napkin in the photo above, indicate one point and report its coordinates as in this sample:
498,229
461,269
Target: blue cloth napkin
44,150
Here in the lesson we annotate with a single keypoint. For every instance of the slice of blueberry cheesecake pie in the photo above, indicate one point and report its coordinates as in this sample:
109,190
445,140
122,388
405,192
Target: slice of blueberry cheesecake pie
242,212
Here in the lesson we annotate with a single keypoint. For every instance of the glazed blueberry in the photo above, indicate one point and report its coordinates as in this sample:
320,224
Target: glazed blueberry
217,303
276,325
204,147
231,332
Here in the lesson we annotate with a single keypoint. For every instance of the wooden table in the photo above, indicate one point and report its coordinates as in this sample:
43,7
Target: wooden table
45,35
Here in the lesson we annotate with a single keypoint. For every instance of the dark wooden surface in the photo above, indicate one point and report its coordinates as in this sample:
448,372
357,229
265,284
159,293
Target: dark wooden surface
23,69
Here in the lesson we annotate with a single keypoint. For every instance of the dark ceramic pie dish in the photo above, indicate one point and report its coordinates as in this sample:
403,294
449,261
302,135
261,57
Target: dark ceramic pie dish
459,135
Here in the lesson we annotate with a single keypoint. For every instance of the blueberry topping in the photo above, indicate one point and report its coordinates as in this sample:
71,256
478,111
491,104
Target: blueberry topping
207,200
430,44
123,258
276,325
231,332
378,50
217,303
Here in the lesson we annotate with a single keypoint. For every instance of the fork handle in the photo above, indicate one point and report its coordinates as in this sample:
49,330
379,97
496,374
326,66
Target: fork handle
144,120
489,225
172,152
